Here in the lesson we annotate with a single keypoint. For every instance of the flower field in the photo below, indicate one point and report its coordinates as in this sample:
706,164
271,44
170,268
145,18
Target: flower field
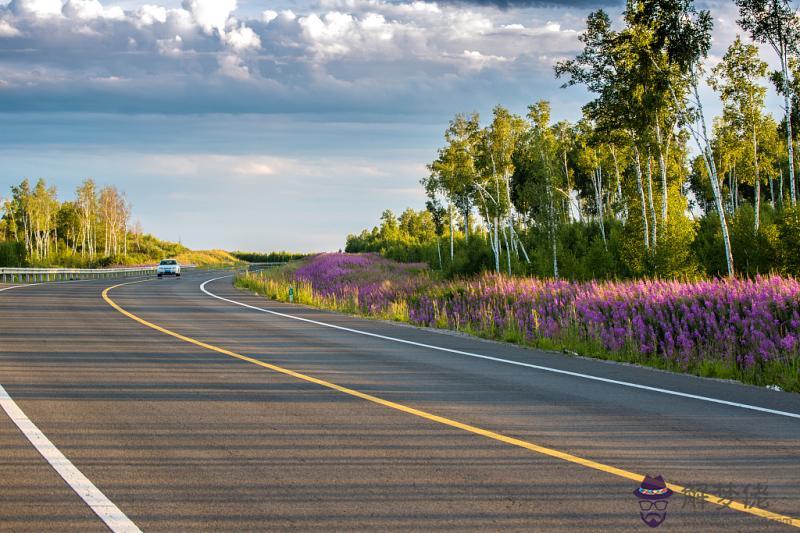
742,329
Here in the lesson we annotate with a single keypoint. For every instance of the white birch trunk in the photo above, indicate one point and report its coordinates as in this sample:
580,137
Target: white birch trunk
496,245
711,168
662,165
450,216
508,249
758,180
788,107
654,228
640,188
771,192
597,182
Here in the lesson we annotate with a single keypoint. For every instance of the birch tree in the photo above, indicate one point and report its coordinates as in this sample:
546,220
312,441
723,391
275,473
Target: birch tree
688,34
86,202
775,22
609,67
496,167
736,78
538,180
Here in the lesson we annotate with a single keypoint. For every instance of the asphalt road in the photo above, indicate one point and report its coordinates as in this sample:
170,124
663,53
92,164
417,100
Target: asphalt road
181,437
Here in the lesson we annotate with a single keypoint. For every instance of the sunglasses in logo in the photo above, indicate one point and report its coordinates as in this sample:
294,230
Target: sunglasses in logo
660,505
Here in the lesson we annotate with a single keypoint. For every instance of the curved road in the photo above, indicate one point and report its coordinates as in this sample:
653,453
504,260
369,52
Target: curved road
181,434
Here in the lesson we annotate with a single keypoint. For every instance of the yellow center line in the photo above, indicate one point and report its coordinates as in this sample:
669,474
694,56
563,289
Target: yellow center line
550,452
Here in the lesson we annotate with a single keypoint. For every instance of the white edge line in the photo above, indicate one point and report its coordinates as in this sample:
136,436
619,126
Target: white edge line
508,361
105,509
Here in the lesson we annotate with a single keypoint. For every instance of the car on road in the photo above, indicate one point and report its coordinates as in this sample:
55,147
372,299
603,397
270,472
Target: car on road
168,267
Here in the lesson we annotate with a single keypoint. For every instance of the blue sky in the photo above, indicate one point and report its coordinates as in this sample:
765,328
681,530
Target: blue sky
269,125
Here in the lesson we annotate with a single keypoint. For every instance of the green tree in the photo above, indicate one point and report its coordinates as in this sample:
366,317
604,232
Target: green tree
736,78
537,178
610,66
495,168
775,22
454,173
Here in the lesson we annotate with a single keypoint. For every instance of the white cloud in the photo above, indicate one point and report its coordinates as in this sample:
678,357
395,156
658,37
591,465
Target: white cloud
328,35
242,38
170,47
83,9
149,14
232,66
210,14
91,9
7,30
477,60
355,52
269,15
254,168
36,8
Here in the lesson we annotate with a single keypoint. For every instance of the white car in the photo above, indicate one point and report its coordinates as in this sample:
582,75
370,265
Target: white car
168,267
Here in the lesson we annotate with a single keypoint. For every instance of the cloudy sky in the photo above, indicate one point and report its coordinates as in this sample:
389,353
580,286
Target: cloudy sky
269,125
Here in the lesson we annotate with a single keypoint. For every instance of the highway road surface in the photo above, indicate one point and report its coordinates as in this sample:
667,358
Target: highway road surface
166,407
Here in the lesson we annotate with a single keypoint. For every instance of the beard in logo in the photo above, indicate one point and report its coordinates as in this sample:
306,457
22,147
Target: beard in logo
653,518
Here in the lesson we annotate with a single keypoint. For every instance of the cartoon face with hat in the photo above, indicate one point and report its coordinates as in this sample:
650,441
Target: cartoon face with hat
653,497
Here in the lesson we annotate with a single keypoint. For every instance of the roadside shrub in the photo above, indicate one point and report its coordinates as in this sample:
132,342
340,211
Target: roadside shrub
12,254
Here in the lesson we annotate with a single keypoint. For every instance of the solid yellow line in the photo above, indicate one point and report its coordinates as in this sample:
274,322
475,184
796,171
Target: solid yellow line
550,452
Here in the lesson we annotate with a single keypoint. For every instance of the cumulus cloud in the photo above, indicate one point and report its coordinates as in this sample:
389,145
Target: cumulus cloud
333,54
36,8
91,9
478,60
149,14
210,14
242,38
233,66
269,15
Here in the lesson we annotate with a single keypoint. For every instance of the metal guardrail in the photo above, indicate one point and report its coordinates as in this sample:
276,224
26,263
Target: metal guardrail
38,275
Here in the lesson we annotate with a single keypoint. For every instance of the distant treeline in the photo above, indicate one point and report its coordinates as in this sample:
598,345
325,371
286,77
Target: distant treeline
271,257
93,230
415,236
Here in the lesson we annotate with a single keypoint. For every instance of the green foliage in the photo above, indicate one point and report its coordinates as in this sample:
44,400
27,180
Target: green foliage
469,257
686,247
708,246
268,257
754,252
775,247
411,238
788,227
12,254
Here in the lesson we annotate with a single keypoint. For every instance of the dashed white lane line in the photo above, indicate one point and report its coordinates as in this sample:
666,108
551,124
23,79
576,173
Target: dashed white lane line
507,361
109,513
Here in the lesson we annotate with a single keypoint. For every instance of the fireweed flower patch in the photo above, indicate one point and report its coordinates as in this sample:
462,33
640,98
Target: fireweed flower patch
743,329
